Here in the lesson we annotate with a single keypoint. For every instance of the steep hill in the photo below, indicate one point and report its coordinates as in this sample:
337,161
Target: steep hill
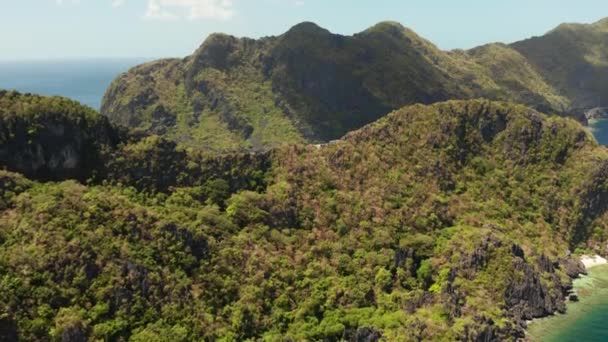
311,85
445,222
574,59
52,138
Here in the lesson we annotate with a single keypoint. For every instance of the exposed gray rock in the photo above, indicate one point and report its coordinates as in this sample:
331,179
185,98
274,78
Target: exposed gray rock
597,113
362,335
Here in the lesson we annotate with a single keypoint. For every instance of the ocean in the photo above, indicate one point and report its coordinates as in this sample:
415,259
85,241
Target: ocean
83,80
599,128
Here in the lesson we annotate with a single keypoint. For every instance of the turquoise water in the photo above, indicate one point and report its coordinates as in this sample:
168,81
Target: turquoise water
82,80
586,320
599,128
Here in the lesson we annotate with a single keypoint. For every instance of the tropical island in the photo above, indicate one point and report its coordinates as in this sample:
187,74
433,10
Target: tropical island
204,202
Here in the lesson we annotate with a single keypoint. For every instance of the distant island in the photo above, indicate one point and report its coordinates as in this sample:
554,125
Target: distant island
309,85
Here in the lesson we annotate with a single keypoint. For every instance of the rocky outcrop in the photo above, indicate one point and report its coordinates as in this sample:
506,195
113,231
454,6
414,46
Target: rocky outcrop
572,266
597,113
56,150
527,297
8,329
362,335
53,138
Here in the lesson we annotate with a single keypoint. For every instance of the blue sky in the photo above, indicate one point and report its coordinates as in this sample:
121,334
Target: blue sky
50,29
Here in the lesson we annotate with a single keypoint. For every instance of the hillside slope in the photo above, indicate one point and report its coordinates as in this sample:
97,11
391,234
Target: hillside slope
444,222
52,138
574,59
309,85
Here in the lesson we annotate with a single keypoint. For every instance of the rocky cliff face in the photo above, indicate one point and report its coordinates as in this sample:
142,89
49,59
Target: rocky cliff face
52,138
597,113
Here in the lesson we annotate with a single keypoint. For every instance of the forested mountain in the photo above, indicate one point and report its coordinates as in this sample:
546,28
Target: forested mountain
452,221
574,59
309,85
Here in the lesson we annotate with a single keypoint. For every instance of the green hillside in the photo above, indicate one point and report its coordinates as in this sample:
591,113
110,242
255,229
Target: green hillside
309,85
52,138
444,222
574,59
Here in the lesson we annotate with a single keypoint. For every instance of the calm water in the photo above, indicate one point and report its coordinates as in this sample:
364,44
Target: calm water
83,80
599,128
586,320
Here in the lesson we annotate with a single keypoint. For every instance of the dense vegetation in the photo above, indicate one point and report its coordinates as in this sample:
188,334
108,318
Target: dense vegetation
574,59
311,85
52,137
443,222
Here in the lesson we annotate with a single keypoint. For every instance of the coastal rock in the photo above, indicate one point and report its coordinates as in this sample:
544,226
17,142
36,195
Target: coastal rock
527,297
573,298
597,113
362,335
573,267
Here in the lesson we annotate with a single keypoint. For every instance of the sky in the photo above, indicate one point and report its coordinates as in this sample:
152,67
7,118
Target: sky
58,29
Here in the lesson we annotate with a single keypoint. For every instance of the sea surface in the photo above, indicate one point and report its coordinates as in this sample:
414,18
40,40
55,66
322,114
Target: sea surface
84,80
599,128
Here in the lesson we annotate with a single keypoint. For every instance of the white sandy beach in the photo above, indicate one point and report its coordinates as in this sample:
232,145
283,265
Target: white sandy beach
591,261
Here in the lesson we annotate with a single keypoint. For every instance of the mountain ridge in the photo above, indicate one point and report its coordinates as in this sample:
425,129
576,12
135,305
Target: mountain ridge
206,99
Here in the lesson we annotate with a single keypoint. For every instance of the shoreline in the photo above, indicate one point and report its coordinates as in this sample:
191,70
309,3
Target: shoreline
592,261
588,262
592,291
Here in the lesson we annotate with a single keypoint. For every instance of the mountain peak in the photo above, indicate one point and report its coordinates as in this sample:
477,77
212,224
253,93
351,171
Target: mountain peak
394,29
601,24
388,24
391,27
307,27
215,50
